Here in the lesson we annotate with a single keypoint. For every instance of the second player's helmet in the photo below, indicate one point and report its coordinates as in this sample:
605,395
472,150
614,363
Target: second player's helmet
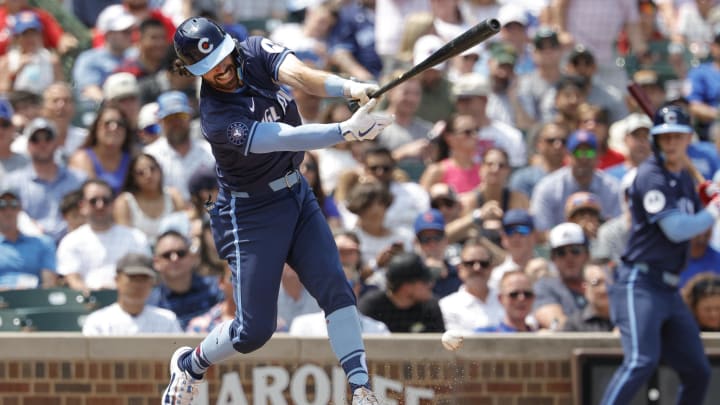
201,44
671,118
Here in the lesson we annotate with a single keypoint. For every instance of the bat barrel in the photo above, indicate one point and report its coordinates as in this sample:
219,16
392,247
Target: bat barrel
473,36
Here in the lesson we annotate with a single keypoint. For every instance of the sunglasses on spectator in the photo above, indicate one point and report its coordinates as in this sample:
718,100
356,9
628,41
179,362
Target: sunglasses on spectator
310,167
95,200
113,124
483,264
9,204
443,202
523,230
380,168
41,136
435,237
527,294
566,250
5,124
551,141
180,253
585,153
547,44
153,129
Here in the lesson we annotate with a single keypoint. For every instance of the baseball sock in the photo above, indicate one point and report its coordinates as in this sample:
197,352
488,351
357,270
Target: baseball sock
216,346
345,339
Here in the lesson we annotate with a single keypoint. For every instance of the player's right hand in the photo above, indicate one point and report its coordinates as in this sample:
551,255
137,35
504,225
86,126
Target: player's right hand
364,125
707,190
359,91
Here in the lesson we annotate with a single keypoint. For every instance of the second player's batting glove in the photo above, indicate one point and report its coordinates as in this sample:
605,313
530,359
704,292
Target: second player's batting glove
707,190
364,125
359,91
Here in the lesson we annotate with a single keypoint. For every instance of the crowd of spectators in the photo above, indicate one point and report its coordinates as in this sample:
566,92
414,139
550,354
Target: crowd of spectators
494,202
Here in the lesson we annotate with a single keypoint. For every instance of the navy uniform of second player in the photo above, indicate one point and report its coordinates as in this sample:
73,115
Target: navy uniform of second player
265,214
646,306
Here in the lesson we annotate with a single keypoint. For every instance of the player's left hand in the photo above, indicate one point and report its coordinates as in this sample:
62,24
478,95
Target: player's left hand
359,91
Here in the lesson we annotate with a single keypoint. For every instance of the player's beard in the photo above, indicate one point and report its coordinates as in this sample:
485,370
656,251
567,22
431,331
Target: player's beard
228,80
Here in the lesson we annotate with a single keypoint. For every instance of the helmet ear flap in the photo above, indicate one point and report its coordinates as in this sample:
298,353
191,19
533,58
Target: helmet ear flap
238,55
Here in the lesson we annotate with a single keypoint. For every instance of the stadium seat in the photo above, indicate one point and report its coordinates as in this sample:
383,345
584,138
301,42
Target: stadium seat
101,298
10,321
51,319
34,298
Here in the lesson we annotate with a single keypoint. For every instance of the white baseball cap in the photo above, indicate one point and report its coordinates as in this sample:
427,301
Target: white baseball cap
567,233
425,46
120,85
471,84
512,13
636,121
148,115
114,18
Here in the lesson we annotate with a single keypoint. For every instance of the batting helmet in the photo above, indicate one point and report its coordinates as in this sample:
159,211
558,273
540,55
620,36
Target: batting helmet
671,118
201,44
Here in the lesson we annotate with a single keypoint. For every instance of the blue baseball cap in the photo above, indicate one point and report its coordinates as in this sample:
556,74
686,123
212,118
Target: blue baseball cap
9,190
6,110
26,20
173,102
429,220
669,119
518,217
581,137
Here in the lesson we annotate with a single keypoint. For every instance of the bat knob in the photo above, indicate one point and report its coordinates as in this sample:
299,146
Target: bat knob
353,105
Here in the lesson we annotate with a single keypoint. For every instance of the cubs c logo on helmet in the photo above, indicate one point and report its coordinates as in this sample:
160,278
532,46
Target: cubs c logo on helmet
205,46
671,117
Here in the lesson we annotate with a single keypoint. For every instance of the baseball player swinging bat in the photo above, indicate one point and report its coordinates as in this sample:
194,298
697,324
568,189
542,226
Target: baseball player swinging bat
707,189
473,36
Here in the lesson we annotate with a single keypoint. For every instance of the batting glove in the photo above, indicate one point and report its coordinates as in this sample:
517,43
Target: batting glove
359,91
707,190
363,125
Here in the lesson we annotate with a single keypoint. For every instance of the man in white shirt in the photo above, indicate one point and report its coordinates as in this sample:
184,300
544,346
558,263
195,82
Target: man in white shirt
87,256
409,198
474,305
129,315
178,153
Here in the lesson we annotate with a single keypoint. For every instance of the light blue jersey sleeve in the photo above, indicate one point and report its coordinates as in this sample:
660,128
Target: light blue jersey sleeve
266,137
679,226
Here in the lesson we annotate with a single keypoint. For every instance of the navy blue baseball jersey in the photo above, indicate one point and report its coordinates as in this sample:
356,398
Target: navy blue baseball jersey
229,120
654,194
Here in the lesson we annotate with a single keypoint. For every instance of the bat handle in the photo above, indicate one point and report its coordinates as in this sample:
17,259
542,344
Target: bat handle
354,104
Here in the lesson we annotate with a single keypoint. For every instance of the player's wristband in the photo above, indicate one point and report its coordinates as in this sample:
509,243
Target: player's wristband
335,86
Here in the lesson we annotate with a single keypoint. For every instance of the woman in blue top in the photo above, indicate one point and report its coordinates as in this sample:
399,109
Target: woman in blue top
106,152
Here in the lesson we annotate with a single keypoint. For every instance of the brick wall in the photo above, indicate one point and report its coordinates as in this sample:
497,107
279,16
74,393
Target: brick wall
67,369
